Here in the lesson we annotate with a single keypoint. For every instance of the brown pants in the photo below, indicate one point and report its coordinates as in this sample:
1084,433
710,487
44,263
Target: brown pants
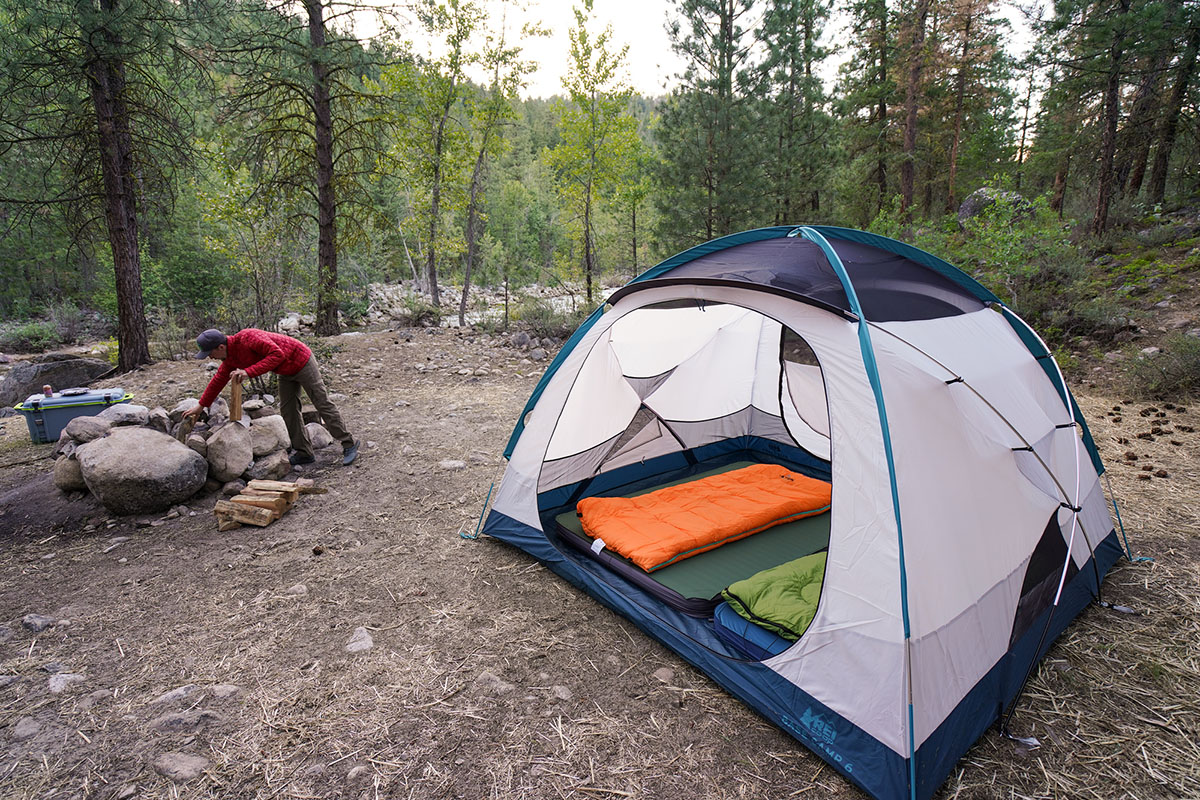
309,378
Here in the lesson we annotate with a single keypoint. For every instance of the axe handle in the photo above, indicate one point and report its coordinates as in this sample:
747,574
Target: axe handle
235,401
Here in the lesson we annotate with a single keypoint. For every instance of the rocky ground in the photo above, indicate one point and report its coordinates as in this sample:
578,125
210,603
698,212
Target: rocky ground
360,647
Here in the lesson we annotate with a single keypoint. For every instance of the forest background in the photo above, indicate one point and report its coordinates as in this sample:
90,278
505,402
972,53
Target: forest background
169,166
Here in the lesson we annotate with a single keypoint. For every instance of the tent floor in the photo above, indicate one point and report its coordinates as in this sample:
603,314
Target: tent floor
694,584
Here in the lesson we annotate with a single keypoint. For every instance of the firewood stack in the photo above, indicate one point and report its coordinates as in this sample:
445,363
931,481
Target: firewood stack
261,503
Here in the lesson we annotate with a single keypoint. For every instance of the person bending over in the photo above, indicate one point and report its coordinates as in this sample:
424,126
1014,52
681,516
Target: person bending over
250,353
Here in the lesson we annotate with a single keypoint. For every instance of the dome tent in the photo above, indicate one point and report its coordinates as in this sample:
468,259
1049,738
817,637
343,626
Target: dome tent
967,525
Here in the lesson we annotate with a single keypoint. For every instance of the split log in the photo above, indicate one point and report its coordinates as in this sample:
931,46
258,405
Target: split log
277,505
290,496
227,511
302,485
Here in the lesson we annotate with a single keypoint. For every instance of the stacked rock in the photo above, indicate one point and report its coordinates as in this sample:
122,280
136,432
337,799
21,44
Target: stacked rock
136,460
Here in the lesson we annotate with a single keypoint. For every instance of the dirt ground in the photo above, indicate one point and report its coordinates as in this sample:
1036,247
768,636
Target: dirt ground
488,676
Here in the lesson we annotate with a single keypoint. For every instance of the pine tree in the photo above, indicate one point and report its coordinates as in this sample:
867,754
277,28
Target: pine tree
793,108
89,111
711,155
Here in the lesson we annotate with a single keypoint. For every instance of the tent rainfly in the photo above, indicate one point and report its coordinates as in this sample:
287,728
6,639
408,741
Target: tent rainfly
963,524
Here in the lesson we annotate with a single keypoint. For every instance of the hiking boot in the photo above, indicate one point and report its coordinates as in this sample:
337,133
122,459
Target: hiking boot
349,453
298,458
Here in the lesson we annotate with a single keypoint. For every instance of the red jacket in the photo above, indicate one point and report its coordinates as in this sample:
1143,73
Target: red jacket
257,352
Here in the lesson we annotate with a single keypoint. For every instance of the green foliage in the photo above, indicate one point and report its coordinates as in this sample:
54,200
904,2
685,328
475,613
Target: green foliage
34,336
1026,257
1172,372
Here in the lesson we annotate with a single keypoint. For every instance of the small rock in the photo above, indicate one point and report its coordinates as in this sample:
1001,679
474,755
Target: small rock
361,640
125,414
85,429
37,622
175,694
53,667
180,767
1151,351
537,354
561,692
26,728
494,683
665,674
224,690
159,420
8,680
233,487
94,699
62,681
358,773
299,590
318,436
452,465
5,633
126,792
407,450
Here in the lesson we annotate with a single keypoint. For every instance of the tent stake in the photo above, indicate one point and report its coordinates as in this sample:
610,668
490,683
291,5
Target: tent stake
482,511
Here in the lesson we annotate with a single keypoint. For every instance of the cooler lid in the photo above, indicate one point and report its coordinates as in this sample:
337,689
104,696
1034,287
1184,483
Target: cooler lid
79,396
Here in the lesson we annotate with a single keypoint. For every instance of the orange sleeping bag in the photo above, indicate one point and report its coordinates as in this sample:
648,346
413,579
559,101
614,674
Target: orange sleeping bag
665,526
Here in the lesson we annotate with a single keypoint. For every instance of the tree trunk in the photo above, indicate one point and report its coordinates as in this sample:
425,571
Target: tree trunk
881,110
634,237
1060,185
588,258
916,60
1112,112
1138,130
472,231
1170,123
106,78
960,92
1024,130
327,269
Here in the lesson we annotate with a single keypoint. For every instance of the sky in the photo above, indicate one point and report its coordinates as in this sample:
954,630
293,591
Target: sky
651,65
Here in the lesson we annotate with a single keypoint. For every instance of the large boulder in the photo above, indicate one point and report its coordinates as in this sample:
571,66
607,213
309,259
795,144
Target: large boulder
230,452
984,198
139,470
57,369
68,476
268,434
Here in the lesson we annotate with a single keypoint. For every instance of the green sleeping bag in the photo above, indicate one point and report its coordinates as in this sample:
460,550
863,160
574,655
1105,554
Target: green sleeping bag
782,599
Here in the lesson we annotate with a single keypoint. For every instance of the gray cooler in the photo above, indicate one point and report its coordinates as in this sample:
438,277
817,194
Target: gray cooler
47,415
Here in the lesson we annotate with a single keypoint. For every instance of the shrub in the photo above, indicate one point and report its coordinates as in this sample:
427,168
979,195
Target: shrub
419,312
1172,372
542,319
33,336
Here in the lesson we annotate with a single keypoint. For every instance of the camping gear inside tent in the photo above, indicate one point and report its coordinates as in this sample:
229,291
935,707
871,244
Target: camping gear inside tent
951,522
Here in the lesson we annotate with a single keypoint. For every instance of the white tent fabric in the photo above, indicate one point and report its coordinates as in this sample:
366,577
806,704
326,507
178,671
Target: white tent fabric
973,504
